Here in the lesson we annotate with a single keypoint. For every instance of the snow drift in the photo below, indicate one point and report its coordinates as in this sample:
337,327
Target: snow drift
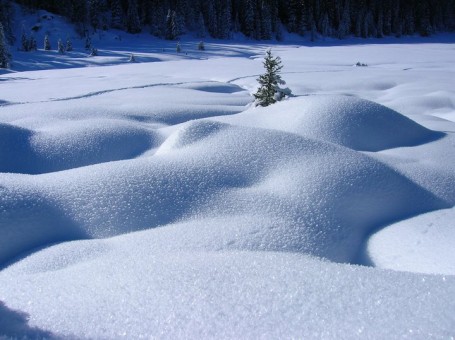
142,200
67,145
285,186
408,245
353,122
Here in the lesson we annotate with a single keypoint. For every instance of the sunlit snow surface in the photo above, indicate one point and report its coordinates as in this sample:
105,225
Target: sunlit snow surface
193,214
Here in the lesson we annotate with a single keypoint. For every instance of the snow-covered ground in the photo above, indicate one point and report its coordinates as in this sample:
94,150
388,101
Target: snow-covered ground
151,199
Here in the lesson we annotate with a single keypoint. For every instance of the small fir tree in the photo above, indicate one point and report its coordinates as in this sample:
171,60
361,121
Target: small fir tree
172,27
201,46
69,44
269,91
47,43
132,59
33,45
25,41
94,52
4,53
88,42
178,48
60,47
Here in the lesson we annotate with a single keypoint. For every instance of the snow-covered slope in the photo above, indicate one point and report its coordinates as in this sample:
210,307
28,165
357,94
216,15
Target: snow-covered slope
213,169
410,244
127,288
349,121
190,213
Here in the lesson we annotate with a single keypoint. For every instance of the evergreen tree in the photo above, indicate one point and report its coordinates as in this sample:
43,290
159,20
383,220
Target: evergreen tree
313,32
172,30
269,91
116,14
168,34
47,43
278,30
345,22
69,44
259,19
201,46
297,20
60,47
224,21
88,42
425,28
94,13
248,29
4,53
133,24
200,26
236,24
33,45
212,22
25,43
80,16
325,25
266,23
312,25
6,17
158,22
178,48
176,25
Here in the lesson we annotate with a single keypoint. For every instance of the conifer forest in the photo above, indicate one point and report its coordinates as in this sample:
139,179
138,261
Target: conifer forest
256,19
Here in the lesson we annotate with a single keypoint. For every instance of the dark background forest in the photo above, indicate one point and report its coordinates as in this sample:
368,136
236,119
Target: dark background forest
256,19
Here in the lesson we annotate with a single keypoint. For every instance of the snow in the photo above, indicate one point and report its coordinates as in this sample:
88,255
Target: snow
151,199
409,244
344,120
135,293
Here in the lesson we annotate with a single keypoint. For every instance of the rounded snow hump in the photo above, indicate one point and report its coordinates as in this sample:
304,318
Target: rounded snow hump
349,121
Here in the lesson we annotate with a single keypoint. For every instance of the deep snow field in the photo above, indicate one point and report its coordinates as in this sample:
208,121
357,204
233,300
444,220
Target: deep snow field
152,199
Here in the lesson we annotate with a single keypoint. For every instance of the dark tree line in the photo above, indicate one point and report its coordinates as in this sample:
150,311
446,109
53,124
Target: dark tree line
257,19
6,16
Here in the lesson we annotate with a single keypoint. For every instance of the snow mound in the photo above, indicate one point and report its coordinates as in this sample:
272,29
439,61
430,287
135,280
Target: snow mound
14,325
29,221
356,123
219,295
70,144
421,244
15,152
231,187
191,133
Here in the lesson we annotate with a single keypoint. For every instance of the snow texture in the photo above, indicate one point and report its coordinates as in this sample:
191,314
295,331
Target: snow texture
151,199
